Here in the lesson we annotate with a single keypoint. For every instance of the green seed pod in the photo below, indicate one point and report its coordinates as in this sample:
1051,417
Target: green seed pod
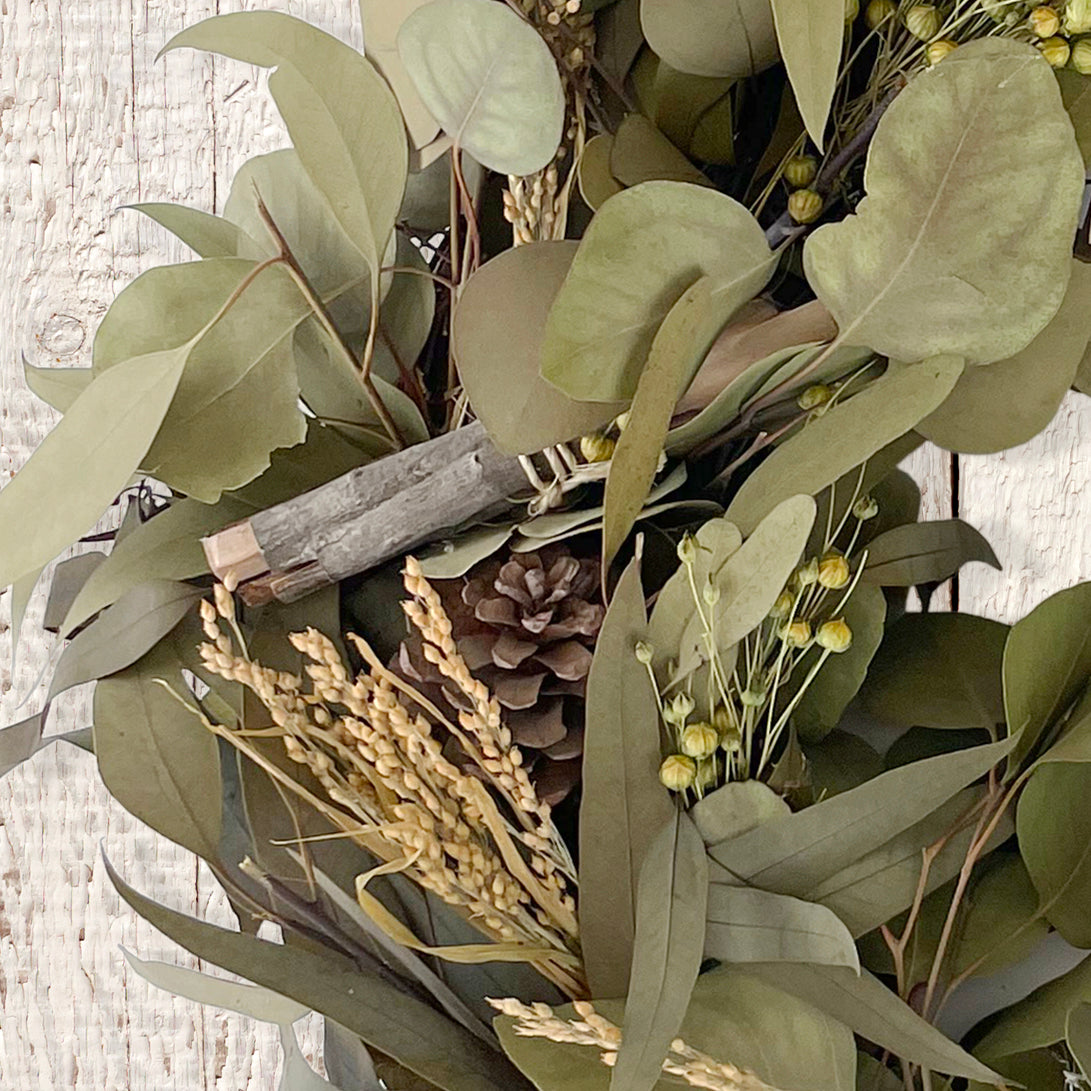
1055,50
678,772
833,571
804,206
806,574
1044,22
800,170
923,21
597,448
722,720
834,636
677,709
700,740
879,11
1081,56
732,740
937,50
753,698
814,396
710,592
796,635
852,9
783,606
687,549
644,652
867,507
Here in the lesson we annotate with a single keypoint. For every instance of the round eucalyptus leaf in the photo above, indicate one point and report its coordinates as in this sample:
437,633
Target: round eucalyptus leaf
964,242
489,79
597,183
710,37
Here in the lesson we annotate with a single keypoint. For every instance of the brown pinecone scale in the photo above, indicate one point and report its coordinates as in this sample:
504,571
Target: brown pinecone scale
526,625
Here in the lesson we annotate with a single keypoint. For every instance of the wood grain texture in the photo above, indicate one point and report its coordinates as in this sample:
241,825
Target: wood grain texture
89,123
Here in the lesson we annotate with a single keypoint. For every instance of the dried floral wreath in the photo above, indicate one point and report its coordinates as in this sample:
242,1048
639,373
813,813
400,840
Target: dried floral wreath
510,596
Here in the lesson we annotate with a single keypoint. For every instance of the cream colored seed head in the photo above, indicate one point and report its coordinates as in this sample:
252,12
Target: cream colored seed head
225,604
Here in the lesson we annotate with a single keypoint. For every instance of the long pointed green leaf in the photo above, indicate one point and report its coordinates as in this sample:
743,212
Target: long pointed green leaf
809,33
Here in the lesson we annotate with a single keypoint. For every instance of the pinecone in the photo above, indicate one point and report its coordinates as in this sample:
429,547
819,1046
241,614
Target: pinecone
525,623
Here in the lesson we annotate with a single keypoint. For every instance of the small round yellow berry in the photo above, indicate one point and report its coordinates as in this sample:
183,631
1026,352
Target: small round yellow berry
814,396
937,50
1044,21
1081,56
731,740
804,206
700,740
879,11
834,636
923,21
722,720
597,448
833,571
800,170
1055,50
678,772
797,634
806,574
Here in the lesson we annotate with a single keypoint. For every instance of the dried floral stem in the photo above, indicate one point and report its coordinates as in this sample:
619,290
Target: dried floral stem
593,1029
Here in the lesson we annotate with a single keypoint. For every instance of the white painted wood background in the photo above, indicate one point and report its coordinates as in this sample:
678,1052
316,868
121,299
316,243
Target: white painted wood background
89,123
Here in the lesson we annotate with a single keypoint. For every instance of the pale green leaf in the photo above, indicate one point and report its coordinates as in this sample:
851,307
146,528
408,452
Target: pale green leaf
57,386
714,137
735,808
865,1004
677,101
749,582
603,320
208,236
675,353
1074,742
1047,662
749,925
155,756
943,257
348,1062
69,576
1039,1019
670,930
930,552
498,327
597,182
393,1021
837,683
124,632
85,461
342,117
1054,830
735,38
623,805
641,153
939,670
810,36
1077,1033
21,591
297,1074
844,437
382,20
1010,402
20,741
250,1000
489,80
451,558
242,360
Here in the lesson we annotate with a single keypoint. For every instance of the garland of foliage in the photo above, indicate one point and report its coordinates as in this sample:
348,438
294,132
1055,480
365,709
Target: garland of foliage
589,792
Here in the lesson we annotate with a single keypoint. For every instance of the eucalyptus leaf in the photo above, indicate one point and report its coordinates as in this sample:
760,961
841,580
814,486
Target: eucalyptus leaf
604,317
297,1074
489,80
57,386
841,761
20,741
864,1003
105,433
1047,662
939,670
1011,401
596,180
1076,96
69,576
1055,841
347,1060
392,1021
810,36
1077,1033
678,346
749,925
450,559
498,330
677,101
793,854
249,1000
124,632
734,808
712,38
829,693
641,153
208,236
22,590
714,136
1074,742
749,581
671,908
927,265
623,806
231,363
931,552
844,437
155,756
1039,1019
323,88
